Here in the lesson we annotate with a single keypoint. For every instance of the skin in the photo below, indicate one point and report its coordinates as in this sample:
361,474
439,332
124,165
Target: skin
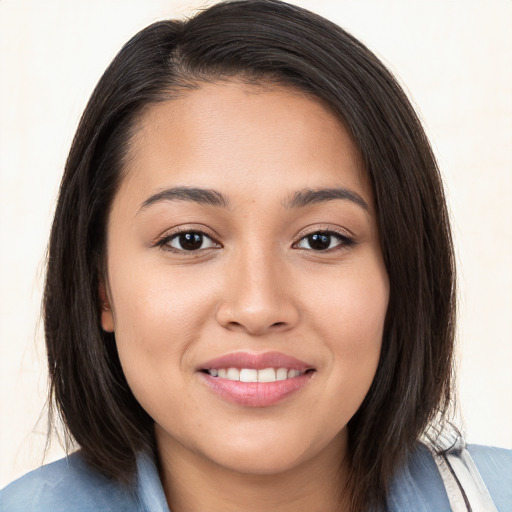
257,287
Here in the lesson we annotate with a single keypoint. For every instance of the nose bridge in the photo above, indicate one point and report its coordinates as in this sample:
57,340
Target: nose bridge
259,272
257,296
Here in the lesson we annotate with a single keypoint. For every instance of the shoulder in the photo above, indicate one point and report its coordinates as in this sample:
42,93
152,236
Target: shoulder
66,485
495,468
418,485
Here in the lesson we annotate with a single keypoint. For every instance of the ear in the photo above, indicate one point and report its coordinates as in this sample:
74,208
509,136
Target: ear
107,318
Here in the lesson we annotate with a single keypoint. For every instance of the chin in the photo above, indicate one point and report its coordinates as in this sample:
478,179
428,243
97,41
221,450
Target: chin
262,462
262,454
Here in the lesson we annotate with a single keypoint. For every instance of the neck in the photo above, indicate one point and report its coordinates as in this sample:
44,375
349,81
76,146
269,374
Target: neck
195,484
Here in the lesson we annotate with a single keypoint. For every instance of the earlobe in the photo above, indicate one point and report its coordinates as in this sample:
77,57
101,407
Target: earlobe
107,318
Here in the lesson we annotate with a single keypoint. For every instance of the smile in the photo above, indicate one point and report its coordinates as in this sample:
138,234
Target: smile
255,380
253,375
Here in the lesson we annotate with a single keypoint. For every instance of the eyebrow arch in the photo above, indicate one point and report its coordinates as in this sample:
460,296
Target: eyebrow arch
197,195
309,196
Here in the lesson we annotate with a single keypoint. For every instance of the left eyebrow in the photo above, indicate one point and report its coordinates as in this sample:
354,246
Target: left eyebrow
309,196
194,194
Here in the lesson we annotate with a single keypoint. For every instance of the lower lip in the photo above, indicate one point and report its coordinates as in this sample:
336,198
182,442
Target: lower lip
255,394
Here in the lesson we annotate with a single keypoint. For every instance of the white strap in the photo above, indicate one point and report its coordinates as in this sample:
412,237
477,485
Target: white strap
464,485
455,496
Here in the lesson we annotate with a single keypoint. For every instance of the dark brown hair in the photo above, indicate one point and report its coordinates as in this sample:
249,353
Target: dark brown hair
270,42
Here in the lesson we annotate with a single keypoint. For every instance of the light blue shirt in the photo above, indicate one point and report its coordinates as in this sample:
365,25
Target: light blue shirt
69,485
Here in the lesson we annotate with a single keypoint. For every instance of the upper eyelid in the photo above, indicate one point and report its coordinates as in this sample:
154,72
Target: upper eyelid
166,239
329,233
342,233
179,230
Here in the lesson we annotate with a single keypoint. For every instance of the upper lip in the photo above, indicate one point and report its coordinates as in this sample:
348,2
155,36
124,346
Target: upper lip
256,361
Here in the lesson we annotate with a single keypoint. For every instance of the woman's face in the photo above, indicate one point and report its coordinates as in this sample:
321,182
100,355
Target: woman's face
242,244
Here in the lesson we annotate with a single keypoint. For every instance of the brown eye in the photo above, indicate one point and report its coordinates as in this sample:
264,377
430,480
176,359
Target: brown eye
190,241
323,241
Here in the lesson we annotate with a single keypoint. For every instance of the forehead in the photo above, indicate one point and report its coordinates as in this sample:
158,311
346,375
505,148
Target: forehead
233,133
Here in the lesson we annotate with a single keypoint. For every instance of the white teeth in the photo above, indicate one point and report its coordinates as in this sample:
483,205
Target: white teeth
248,375
233,374
267,375
252,375
282,374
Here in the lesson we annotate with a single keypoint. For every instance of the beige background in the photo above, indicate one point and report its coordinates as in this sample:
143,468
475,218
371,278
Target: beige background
455,57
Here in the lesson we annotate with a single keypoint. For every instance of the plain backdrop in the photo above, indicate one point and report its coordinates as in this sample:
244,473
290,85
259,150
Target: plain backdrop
455,59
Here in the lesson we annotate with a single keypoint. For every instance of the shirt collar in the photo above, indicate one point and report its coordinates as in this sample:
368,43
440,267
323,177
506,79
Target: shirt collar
416,486
150,492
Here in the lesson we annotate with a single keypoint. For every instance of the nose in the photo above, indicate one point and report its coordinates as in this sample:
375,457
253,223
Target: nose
258,296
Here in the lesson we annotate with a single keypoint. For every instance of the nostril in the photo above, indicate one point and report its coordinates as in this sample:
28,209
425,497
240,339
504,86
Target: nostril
236,325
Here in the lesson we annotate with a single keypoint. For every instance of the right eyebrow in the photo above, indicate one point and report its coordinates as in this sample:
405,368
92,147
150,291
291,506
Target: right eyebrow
308,196
197,195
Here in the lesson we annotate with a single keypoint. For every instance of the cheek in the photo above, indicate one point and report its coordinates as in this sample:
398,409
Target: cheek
154,305
350,318
352,309
157,316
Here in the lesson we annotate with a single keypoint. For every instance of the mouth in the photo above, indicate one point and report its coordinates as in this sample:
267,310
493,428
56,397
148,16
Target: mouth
254,375
256,380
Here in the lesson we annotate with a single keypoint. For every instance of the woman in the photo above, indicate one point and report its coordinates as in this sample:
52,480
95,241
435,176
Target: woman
249,301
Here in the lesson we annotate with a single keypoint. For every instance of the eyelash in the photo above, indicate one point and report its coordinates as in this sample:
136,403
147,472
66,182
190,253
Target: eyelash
344,241
164,243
